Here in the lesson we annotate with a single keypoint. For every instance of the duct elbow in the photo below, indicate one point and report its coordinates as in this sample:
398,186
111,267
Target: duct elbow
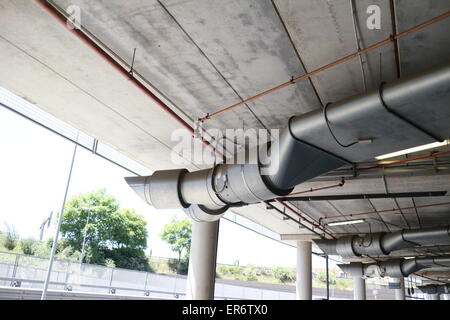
205,194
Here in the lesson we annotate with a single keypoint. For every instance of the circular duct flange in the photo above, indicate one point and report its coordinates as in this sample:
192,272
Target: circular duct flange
201,213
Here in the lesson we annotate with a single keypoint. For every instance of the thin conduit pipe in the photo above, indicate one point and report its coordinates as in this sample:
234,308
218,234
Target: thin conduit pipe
291,218
385,211
302,218
52,11
435,154
318,189
332,64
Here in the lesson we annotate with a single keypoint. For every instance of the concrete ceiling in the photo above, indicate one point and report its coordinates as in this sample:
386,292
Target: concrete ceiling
199,56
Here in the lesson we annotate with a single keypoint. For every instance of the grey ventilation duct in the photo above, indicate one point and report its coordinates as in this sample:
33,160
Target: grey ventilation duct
396,268
309,146
380,244
435,289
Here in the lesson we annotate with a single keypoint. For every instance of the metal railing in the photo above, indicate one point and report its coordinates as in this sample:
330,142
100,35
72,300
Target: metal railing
28,273
23,271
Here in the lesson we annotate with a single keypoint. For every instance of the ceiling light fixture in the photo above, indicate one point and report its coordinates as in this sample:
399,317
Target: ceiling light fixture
415,149
341,223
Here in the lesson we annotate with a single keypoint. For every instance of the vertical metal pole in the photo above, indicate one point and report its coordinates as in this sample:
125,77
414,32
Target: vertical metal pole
111,279
327,276
67,274
55,241
16,264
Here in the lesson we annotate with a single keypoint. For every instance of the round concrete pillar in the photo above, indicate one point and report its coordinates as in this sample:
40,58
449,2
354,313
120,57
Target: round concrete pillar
202,261
359,288
304,271
399,293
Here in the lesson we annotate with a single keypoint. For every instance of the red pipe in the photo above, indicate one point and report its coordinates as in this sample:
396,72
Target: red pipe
115,65
302,218
406,160
386,211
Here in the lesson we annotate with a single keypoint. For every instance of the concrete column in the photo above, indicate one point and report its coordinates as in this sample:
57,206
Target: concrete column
202,261
359,288
399,293
304,271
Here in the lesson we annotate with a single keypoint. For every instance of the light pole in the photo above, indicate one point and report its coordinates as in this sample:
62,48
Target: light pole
58,228
42,227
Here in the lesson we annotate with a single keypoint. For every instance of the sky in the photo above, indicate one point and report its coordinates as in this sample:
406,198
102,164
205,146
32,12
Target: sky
34,167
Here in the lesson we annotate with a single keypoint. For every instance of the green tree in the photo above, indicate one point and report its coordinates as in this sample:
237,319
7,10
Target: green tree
11,237
110,234
178,235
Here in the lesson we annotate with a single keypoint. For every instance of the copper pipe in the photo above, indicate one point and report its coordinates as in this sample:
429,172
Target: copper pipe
405,160
385,211
303,219
332,64
52,11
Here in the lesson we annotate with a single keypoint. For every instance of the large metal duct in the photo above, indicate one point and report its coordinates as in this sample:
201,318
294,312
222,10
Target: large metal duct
397,268
387,117
435,289
380,244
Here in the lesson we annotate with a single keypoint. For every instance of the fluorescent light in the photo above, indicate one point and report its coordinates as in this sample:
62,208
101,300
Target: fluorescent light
415,149
341,223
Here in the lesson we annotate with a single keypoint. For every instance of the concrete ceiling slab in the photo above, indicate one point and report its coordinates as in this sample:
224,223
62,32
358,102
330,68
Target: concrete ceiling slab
428,46
204,55
324,31
68,80
248,44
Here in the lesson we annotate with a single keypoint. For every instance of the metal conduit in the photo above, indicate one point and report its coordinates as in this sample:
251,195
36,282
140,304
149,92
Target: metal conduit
396,268
381,244
206,194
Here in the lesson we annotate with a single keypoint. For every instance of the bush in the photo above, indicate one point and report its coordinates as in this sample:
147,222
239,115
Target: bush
110,263
68,254
28,246
251,273
11,237
284,275
179,266
127,258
